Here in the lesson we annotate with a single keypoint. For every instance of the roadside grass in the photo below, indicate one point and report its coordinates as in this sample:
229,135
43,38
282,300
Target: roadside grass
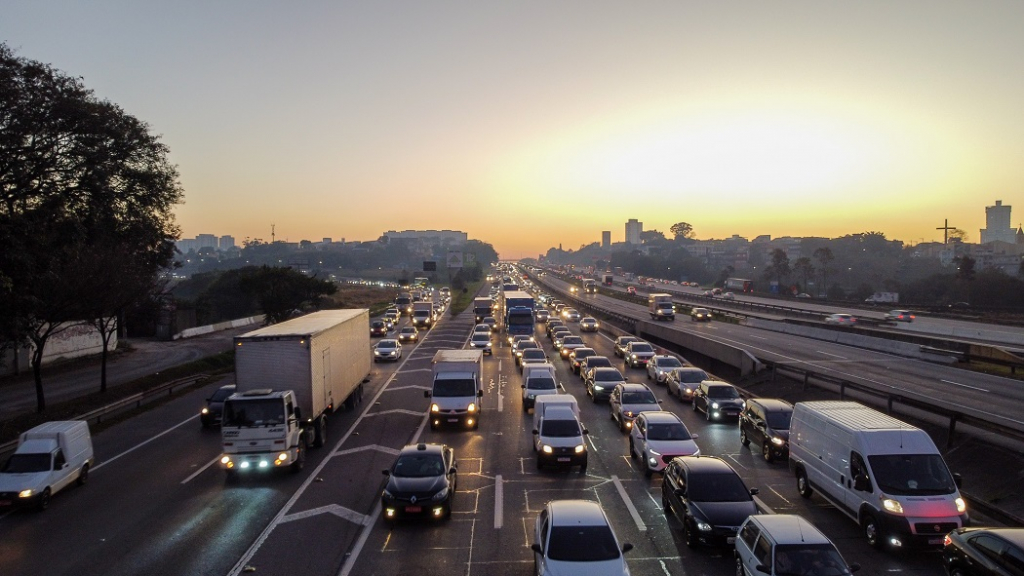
217,364
463,299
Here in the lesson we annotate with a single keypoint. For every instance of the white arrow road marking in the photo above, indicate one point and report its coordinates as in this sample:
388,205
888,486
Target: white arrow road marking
339,511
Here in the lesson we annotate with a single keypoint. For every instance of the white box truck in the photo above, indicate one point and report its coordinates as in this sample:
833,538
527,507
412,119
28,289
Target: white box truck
481,308
289,377
456,391
883,473
661,307
422,314
49,458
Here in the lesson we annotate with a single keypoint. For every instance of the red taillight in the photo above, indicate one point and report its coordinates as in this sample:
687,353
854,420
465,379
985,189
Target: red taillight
912,316
946,541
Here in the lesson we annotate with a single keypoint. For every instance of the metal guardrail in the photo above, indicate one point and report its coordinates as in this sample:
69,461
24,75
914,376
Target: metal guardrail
135,400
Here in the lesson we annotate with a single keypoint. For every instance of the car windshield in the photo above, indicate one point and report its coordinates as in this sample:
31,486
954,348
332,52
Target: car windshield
809,560
779,420
243,412
540,383
641,348
912,474
717,488
639,397
584,353
598,362
533,354
560,428
572,340
479,337
454,388
669,362
608,376
700,311
418,466
691,376
667,432
221,394
722,392
26,463
582,544
387,344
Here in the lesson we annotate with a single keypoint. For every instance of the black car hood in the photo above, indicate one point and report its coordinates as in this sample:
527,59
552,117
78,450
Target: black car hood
408,485
724,513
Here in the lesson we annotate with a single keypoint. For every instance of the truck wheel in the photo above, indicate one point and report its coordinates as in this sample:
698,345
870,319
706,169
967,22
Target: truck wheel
44,500
320,432
803,486
83,476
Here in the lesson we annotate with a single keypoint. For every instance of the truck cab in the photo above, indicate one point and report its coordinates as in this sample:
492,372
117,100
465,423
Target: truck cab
263,430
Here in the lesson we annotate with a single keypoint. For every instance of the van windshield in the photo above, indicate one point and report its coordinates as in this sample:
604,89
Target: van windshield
253,413
809,560
25,463
560,428
454,388
912,474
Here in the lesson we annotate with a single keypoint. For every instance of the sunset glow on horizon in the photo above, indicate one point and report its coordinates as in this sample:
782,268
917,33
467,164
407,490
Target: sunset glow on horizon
533,125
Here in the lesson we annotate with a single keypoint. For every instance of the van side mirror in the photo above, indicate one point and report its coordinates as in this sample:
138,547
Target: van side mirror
560,387
479,393
626,547
386,472
958,480
585,431
298,413
680,492
523,386
426,393
754,491
536,548
535,432
762,568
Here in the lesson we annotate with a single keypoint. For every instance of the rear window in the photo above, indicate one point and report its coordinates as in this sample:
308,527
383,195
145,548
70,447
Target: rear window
642,348
582,544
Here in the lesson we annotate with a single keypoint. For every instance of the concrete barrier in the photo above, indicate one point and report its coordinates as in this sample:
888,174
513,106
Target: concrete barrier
740,359
210,328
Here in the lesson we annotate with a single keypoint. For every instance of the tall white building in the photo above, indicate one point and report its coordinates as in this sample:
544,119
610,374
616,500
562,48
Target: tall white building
997,225
633,230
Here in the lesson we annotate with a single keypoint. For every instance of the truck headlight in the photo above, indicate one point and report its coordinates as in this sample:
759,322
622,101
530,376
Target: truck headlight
891,505
225,460
435,408
580,448
26,493
205,411
546,449
961,506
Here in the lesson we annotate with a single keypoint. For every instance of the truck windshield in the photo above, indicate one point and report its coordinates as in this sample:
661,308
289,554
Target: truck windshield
560,428
520,318
253,413
540,383
912,474
454,388
26,463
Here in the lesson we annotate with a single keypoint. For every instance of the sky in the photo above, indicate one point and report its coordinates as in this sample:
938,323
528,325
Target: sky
531,125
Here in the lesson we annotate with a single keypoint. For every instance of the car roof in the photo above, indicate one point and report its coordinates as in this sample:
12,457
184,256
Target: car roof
790,529
706,464
602,369
388,341
1014,535
717,384
661,417
633,386
773,404
422,448
576,513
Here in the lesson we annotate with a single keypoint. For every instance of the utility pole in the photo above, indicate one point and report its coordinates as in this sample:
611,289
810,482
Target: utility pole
945,231
272,234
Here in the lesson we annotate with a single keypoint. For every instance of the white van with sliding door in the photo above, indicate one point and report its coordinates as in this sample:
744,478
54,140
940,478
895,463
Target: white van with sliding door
883,473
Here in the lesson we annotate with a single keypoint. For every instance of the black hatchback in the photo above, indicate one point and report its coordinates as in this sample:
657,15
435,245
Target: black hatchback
708,498
765,422
210,415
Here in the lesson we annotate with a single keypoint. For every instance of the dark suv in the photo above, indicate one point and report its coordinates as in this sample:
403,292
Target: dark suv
765,421
717,400
708,498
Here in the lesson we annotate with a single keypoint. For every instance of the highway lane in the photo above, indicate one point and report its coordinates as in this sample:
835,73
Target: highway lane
997,398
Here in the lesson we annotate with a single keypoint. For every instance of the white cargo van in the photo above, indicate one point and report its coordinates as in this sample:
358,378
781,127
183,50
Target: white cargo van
538,380
545,402
558,438
48,458
457,390
882,472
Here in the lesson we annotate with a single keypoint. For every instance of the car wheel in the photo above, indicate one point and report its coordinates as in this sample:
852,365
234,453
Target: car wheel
691,535
44,500
766,451
873,532
693,404
743,438
665,505
83,475
707,414
647,469
320,433
802,485
632,452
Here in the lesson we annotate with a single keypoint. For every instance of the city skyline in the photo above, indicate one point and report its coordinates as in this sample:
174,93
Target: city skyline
791,119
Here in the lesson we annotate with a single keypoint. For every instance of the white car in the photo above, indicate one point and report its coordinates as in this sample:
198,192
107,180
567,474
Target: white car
659,367
840,319
658,437
574,537
481,341
387,349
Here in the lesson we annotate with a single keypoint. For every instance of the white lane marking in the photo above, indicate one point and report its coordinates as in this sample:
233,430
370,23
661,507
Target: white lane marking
629,505
377,447
201,470
137,446
396,411
414,386
964,385
501,397
339,511
759,337
832,355
499,502
371,519
664,568
592,444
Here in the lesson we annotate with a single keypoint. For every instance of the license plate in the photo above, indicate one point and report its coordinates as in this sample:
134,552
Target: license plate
5,502
934,541
453,419
413,509
730,540
564,459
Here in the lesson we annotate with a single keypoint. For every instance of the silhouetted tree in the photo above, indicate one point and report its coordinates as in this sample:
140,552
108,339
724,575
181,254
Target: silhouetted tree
682,230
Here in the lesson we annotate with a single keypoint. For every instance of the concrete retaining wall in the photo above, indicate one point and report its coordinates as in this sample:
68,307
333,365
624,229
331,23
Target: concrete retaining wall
736,357
226,325
77,340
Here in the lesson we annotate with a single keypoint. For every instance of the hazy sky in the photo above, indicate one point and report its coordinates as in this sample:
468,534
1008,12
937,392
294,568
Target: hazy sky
534,124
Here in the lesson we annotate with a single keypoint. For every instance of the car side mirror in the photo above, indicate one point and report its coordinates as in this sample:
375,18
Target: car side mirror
661,401
958,480
585,431
523,386
854,567
452,470
560,387
426,393
680,492
536,548
386,472
754,491
762,568
694,436
626,547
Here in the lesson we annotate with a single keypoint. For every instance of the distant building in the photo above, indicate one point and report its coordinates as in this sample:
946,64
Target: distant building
606,239
997,225
226,243
430,236
633,230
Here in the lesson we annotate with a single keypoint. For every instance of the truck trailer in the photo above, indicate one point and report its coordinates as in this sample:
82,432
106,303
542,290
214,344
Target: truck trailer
289,377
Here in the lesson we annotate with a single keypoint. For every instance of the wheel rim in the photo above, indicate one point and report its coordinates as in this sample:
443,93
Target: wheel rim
766,451
871,531
801,483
